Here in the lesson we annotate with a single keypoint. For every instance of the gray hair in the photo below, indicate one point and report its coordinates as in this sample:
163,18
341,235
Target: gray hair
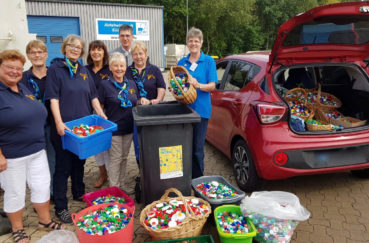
194,32
117,57
70,39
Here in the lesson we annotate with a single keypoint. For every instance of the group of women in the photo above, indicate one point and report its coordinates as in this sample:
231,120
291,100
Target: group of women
70,91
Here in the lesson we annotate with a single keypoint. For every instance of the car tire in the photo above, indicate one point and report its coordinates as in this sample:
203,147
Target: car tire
244,168
360,173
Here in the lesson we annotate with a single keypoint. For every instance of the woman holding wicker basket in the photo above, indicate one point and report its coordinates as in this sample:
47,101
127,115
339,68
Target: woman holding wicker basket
203,76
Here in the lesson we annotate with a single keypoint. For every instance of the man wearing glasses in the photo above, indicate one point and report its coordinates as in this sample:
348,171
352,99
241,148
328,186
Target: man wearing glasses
125,38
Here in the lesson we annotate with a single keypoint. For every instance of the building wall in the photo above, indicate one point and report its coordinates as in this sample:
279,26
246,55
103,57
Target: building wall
13,26
88,12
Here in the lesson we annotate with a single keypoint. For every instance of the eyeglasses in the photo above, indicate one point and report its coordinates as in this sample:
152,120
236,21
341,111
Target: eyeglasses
74,47
18,69
34,53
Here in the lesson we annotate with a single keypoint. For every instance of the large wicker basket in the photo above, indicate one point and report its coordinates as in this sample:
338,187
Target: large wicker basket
299,96
348,122
321,114
190,227
190,95
316,127
332,97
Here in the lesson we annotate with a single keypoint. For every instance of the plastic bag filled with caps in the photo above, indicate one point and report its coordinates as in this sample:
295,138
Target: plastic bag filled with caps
275,215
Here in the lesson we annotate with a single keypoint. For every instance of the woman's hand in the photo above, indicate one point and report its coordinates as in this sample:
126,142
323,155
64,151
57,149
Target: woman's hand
194,82
155,101
102,114
3,163
145,101
60,127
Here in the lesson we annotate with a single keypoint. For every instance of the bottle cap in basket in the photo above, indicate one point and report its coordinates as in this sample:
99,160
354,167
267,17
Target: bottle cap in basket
174,202
214,183
172,224
159,205
194,200
152,214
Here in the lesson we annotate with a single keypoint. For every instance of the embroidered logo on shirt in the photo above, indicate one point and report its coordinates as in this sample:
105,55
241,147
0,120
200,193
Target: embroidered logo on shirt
150,76
32,97
103,76
131,91
84,75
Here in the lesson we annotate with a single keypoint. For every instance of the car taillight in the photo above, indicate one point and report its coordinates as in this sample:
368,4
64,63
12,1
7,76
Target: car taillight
280,158
270,113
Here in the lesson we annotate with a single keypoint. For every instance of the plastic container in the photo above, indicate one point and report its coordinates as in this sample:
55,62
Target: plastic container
123,235
165,141
114,191
197,239
93,144
217,202
234,238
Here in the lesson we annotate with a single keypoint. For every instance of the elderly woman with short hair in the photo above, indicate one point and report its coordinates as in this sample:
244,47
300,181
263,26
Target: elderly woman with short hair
118,95
72,94
203,76
22,148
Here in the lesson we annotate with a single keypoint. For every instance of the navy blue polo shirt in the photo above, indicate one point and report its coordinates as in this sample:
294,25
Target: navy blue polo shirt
108,96
26,80
74,93
205,73
103,73
22,119
153,79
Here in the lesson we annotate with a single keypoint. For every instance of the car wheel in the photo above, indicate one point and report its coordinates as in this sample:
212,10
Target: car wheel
361,173
243,167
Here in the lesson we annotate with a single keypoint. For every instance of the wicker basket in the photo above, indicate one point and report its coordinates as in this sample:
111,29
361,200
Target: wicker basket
348,122
320,94
191,226
315,127
321,114
190,95
296,94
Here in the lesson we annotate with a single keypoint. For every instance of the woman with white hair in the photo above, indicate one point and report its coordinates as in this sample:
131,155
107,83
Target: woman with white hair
118,95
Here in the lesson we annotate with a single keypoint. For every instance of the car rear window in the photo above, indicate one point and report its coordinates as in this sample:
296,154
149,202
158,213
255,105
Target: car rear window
352,30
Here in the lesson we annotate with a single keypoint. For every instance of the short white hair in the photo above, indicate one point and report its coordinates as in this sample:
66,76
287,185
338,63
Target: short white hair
117,57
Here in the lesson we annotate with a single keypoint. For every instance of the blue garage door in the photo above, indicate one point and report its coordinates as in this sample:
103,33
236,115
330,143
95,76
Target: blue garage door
52,31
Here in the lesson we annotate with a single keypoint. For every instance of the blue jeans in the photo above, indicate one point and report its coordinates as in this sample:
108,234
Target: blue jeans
198,143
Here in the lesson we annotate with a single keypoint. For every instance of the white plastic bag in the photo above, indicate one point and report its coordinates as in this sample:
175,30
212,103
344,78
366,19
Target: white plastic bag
276,204
275,214
59,236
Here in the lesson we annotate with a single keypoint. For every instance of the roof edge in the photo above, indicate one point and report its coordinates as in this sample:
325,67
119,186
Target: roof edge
97,3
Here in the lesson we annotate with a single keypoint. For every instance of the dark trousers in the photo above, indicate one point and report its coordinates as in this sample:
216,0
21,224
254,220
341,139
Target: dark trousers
198,143
66,164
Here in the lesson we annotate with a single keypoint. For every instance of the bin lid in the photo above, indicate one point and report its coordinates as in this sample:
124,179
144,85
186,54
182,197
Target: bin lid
161,114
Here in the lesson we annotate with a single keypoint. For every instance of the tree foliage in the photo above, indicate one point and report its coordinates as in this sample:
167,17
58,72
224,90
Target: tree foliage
229,26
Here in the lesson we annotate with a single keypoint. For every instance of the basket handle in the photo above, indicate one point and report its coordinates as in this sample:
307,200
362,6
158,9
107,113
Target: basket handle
319,93
179,194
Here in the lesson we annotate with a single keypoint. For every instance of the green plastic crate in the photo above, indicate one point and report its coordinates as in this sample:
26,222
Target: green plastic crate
234,238
196,239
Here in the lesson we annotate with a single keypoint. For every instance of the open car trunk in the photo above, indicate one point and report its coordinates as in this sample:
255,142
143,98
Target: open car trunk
344,97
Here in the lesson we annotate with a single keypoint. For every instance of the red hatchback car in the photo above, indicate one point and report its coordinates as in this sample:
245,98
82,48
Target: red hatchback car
325,52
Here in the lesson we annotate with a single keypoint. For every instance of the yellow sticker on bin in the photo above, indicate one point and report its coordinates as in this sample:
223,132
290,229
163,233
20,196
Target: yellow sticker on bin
171,162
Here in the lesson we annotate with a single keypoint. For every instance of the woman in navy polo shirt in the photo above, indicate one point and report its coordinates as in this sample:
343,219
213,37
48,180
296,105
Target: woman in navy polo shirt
98,65
35,79
203,77
148,78
72,94
22,148
118,95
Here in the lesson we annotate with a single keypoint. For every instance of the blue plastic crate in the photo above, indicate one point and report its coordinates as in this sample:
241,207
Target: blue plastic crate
93,144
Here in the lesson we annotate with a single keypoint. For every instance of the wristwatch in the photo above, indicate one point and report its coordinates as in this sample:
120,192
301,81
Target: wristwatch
200,86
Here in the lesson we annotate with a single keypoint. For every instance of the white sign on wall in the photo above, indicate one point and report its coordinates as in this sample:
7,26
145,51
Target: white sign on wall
108,29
